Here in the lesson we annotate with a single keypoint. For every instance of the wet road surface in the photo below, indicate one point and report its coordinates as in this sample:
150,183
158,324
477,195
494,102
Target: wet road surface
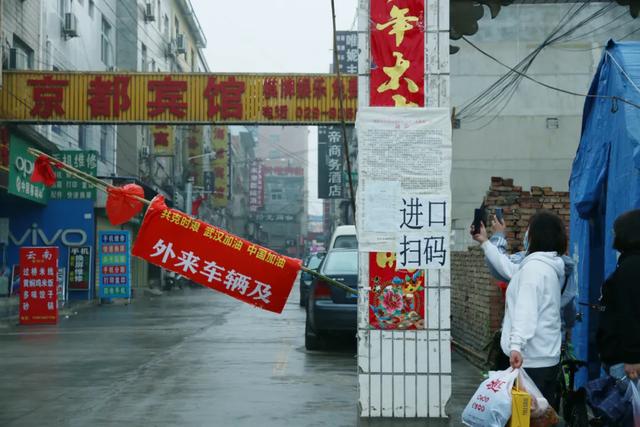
191,358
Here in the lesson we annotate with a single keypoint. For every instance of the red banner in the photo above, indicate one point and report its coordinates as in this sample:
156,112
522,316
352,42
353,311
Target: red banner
38,285
397,53
214,258
397,297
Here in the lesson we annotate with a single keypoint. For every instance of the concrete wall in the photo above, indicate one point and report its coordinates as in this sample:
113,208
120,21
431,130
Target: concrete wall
518,142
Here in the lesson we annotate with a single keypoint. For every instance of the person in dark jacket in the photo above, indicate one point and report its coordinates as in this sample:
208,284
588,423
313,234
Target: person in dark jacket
618,337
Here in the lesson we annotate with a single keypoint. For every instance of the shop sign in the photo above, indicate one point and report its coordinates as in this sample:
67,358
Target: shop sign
137,98
64,224
330,163
69,187
20,169
79,268
114,267
38,285
256,186
221,166
163,140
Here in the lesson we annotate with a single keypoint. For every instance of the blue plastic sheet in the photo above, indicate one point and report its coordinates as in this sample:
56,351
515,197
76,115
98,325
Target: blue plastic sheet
604,183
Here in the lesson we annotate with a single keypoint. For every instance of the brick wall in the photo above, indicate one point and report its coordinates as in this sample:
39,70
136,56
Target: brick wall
477,305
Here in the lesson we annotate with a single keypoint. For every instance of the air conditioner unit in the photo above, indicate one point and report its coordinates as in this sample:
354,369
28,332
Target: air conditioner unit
181,44
70,25
149,13
18,59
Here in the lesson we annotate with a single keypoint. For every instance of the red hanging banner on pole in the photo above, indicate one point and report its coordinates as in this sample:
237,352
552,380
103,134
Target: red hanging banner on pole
397,53
215,258
38,285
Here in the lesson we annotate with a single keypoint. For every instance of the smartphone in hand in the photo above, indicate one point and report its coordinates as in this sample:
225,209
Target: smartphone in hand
478,219
500,215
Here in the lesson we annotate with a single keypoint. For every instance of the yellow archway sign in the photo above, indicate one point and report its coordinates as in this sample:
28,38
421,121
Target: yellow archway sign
198,98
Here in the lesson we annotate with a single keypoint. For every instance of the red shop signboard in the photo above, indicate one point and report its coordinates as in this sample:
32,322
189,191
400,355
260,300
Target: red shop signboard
38,285
397,53
215,258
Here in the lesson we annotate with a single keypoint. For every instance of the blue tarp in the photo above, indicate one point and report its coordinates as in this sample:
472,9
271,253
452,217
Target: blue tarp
604,183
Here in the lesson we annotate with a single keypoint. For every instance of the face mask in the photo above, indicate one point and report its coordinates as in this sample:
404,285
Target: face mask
525,242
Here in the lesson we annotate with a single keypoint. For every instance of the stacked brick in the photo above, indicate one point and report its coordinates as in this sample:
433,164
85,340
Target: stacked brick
477,304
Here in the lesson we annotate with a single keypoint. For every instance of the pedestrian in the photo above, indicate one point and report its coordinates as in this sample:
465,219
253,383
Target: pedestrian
503,272
531,329
618,336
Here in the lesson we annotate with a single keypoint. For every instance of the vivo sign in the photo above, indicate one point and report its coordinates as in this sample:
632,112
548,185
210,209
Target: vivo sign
35,236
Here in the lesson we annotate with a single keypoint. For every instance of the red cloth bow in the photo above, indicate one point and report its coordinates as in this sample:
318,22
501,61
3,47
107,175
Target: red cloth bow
43,172
121,203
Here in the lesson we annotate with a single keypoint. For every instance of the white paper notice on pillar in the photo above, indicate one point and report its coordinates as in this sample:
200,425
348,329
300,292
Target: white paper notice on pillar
401,151
410,145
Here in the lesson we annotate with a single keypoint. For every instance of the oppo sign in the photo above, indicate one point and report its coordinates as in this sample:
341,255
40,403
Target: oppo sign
34,235
24,166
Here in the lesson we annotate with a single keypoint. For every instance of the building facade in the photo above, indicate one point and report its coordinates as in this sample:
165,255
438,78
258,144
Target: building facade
95,35
528,133
282,219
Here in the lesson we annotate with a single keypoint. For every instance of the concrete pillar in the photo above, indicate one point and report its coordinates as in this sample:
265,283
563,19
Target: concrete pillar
407,373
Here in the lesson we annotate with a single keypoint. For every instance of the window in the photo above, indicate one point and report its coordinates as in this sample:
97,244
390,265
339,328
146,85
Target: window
61,8
143,54
92,7
276,194
176,26
346,242
23,59
82,137
158,15
341,262
105,43
165,22
104,135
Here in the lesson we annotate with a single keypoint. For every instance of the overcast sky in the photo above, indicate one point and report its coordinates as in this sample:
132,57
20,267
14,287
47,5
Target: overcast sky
274,36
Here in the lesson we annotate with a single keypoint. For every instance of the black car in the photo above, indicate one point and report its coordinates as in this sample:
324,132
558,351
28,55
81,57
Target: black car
313,263
331,309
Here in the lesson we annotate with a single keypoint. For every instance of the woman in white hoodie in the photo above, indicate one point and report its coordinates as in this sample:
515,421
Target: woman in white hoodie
531,330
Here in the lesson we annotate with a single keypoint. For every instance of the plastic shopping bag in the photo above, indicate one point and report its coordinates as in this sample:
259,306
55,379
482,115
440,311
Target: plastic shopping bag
634,386
542,413
490,406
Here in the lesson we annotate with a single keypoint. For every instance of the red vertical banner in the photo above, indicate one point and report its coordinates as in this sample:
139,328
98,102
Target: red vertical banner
215,258
397,53
397,297
38,285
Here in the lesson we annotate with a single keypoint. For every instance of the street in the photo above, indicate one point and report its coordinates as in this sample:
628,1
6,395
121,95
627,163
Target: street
193,357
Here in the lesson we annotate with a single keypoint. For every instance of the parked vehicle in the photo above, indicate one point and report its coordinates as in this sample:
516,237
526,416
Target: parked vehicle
330,309
344,237
313,263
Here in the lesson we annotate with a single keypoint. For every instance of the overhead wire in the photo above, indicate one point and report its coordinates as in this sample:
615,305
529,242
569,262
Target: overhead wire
566,91
497,96
507,84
